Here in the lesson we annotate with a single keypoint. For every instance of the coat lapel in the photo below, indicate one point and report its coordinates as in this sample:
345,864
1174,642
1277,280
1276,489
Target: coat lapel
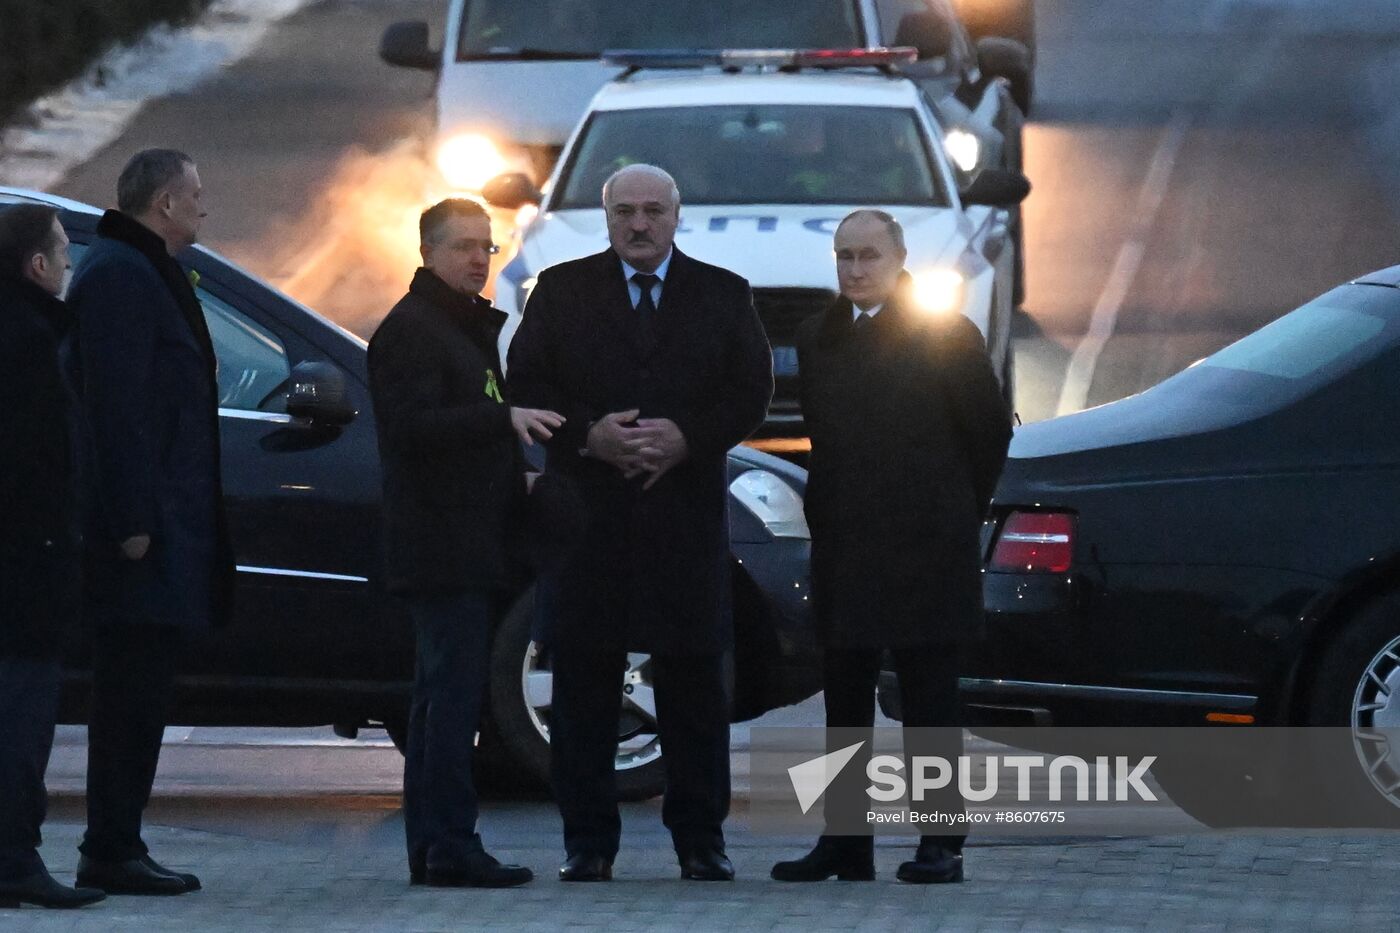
680,295
616,300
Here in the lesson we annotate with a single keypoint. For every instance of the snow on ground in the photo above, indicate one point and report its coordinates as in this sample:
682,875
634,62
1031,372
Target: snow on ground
73,123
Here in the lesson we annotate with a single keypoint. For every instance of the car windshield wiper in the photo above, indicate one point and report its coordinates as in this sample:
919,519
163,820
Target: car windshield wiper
527,53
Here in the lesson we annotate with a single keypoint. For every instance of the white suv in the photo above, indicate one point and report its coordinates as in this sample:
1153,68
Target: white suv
515,75
769,157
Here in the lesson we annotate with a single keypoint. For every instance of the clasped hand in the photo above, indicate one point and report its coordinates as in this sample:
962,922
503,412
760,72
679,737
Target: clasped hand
638,446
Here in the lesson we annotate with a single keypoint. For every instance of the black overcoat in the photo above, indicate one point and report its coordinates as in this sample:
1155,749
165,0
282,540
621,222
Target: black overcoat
144,365
39,535
454,477
909,434
652,570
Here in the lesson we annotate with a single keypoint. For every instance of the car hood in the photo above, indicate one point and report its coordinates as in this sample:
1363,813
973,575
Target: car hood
770,245
503,99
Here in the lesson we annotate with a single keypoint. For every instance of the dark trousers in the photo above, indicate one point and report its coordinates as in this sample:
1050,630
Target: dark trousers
133,678
450,678
692,722
928,686
28,710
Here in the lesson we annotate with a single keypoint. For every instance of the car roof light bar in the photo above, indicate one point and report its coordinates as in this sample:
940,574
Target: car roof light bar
635,60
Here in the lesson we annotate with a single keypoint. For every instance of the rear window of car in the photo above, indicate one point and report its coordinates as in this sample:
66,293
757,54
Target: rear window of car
1323,344
505,28
1297,345
1319,343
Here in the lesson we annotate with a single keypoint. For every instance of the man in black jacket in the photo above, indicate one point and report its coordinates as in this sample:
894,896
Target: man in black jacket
909,435
454,484
160,567
660,364
39,566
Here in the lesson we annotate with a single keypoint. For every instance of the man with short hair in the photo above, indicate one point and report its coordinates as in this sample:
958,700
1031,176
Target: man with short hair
909,434
454,484
660,364
159,561
39,566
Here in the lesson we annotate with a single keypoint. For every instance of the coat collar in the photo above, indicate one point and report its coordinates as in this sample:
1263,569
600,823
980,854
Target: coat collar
122,228
838,324
465,309
18,290
115,225
677,292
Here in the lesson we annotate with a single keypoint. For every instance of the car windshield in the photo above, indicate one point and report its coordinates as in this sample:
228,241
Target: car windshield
760,154
583,28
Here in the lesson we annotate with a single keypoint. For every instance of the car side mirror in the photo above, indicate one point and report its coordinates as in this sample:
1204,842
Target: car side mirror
995,187
511,191
318,392
1004,58
406,45
927,32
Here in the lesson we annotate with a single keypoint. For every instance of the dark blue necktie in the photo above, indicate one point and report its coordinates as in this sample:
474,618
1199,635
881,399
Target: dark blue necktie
646,308
646,282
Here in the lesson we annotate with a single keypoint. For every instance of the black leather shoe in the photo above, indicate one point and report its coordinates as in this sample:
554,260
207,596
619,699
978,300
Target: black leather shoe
417,875
476,870
191,881
585,867
133,876
42,890
933,864
706,865
848,858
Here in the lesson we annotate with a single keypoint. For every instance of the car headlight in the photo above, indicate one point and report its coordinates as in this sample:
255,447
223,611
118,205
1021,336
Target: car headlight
469,160
963,148
772,502
939,291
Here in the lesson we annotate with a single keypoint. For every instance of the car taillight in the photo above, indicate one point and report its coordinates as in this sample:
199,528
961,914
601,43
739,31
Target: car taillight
1034,542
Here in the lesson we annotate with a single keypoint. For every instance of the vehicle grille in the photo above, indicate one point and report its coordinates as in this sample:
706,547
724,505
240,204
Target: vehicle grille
782,310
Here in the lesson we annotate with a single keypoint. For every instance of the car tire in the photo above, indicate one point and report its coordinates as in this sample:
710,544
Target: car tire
1355,690
397,728
519,718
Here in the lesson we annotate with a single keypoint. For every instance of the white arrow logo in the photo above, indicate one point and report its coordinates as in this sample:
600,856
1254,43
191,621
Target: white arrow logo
811,778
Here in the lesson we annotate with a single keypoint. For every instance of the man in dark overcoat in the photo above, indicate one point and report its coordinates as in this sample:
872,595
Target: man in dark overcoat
160,568
454,485
909,435
39,558
659,364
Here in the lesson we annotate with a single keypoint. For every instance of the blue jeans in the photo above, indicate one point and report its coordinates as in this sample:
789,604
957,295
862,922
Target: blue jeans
450,679
28,709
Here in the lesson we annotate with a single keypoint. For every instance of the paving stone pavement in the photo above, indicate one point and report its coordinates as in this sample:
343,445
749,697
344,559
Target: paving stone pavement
342,870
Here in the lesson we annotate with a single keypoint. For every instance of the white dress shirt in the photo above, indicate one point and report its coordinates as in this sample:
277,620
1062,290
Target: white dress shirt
635,291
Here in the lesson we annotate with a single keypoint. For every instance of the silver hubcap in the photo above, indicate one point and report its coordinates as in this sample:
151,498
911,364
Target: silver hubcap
637,741
1375,717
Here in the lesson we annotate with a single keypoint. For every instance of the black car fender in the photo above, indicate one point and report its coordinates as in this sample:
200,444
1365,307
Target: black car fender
1327,615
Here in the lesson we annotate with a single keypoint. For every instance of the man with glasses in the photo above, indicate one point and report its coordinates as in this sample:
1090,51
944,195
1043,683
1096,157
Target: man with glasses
454,482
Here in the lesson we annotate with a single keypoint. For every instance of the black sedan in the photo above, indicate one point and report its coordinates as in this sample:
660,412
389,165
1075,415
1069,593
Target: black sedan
1220,551
316,641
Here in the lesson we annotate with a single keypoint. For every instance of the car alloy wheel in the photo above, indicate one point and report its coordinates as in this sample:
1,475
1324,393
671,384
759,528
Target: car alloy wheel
637,741
1375,717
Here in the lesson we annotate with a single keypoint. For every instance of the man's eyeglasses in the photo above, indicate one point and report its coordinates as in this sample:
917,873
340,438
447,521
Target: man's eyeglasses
466,246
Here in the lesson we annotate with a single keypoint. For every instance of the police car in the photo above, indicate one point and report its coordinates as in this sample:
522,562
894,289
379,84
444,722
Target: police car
770,150
515,75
